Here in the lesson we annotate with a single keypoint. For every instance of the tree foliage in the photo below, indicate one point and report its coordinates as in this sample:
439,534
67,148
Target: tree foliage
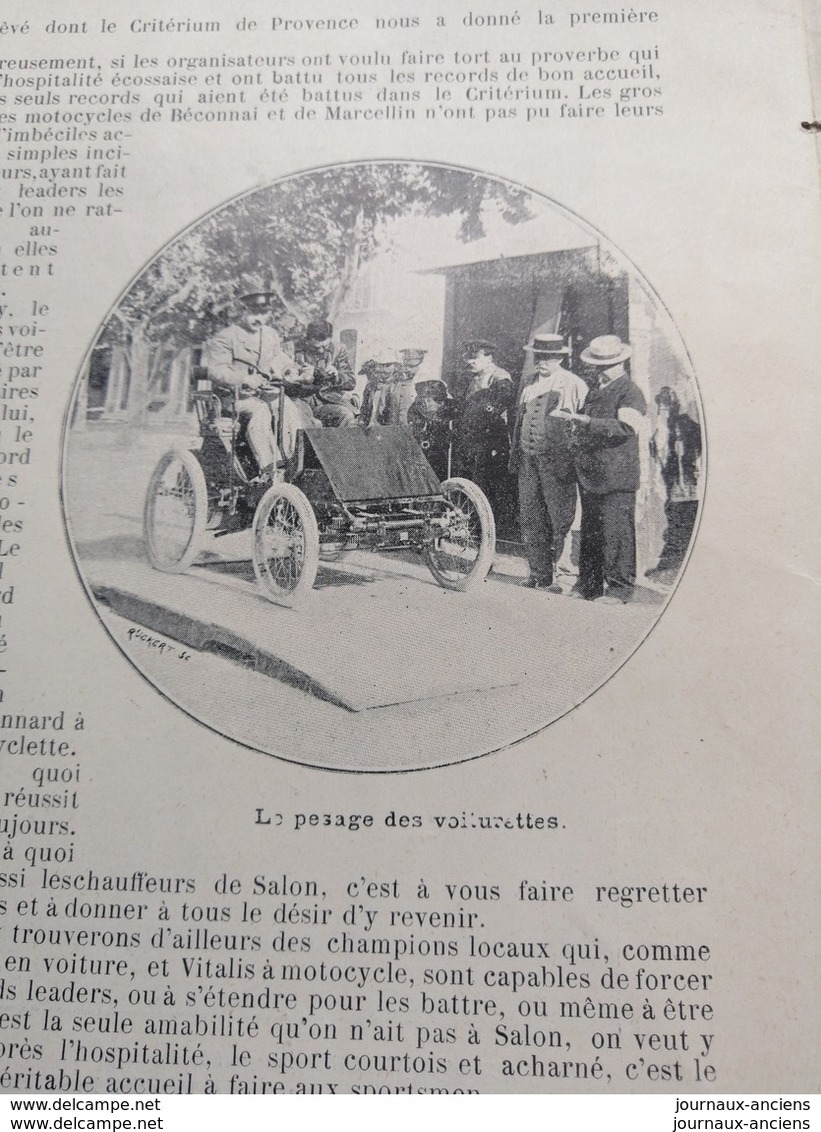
304,239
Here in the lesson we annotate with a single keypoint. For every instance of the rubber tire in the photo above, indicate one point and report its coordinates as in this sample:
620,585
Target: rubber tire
177,563
296,593
487,542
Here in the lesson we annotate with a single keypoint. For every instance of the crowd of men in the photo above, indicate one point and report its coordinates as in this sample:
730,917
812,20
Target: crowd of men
564,438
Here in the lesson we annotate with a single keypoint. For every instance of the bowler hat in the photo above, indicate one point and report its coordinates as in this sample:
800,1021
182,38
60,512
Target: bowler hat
545,345
606,350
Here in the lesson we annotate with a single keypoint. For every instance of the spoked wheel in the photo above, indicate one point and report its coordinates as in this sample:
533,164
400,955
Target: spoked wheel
463,554
286,545
176,512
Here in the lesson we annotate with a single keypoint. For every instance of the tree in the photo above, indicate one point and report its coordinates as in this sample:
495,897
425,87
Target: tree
304,239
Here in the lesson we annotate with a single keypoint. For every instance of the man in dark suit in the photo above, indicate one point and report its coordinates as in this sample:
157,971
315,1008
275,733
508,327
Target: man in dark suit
605,438
482,445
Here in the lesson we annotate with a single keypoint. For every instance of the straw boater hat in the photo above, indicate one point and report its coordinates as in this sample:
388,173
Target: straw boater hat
547,345
381,368
606,350
412,354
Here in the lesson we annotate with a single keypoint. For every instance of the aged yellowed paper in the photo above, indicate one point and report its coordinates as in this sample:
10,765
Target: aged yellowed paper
407,549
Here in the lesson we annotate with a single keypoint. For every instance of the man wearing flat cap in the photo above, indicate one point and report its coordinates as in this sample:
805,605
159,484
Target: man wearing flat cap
542,456
325,369
606,445
241,358
482,446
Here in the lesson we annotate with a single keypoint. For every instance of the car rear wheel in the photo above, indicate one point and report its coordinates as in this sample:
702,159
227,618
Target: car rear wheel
462,555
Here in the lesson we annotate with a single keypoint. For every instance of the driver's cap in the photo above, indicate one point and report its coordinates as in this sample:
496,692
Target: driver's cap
257,301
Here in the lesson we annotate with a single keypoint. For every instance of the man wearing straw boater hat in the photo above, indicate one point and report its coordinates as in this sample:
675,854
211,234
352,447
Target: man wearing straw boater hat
541,455
402,391
606,445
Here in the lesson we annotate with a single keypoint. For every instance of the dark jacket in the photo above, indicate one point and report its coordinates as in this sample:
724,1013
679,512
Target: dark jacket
432,430
607,450
333,374
481,422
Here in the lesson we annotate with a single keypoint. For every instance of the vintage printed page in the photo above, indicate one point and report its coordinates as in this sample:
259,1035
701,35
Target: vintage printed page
407,549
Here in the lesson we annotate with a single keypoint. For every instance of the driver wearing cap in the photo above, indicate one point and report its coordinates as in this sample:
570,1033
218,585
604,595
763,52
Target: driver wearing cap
242,357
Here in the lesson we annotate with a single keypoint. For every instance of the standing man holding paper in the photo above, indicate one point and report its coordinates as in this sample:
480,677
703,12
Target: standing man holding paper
606,444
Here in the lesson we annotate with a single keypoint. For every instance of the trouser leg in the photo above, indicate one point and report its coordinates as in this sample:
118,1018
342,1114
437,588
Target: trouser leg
464,464
560,497
476,473
591,549
619,541
258,430
534,519
489,475
295,416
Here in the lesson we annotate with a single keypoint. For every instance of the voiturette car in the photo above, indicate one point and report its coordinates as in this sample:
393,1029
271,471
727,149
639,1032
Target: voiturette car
355,488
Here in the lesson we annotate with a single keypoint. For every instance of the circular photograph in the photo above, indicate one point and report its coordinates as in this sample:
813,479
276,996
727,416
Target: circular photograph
361,455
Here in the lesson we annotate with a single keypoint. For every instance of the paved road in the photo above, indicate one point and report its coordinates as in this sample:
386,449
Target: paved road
381,670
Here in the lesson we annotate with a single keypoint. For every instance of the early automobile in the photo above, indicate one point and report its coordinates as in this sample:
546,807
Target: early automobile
345,489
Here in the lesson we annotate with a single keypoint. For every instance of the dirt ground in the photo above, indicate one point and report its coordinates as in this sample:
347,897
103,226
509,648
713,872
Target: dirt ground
434,677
